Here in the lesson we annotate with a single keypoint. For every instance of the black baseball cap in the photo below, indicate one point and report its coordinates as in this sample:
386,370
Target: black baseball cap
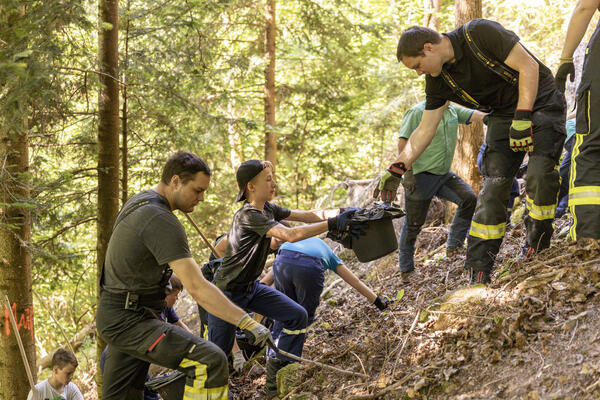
245,172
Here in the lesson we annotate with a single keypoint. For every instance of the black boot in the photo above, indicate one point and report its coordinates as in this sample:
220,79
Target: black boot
480,277
273,365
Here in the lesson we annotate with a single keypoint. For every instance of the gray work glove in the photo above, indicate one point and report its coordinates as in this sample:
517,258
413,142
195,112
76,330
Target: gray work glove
409,181
387,187
238,361
257,334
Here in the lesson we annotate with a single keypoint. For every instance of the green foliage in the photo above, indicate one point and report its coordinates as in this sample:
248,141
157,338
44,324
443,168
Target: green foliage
194,75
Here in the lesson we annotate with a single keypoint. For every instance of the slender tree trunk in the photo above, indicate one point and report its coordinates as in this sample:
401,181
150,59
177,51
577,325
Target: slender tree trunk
470,137
15,261
108,137
270,135
235,141
15,234
432,9
124,133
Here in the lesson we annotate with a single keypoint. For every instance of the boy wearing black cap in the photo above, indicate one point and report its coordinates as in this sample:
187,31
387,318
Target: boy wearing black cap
247,249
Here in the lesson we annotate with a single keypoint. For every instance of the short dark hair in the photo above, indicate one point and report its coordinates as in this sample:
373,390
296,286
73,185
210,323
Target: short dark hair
413,40
175,284
185,165
63,357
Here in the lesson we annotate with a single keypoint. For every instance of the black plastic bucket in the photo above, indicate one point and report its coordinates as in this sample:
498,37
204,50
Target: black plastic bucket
169,386
379,240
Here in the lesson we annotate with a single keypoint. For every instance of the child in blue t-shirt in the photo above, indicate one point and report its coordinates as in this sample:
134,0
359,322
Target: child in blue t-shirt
299,273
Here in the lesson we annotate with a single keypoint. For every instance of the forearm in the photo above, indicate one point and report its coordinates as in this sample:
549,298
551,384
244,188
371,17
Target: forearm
312,216
305,231
216,303
580,19
356,283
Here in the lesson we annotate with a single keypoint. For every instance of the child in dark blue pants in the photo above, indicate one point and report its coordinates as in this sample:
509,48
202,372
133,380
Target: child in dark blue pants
299,273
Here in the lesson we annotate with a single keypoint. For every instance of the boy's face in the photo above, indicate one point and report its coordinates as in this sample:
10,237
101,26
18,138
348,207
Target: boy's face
64,375
171,298
263,185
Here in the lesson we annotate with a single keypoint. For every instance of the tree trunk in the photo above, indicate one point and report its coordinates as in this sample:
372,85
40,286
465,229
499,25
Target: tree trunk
15,233
270,135
431,19
124,133
470,137
15,260
108,138
235,141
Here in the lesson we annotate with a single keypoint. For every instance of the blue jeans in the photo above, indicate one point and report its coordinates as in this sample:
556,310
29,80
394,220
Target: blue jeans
301,278
271,303
565,169
447,187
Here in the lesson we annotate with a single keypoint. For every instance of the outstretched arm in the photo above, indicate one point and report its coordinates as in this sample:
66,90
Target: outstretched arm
356,283
580,19
204,292
421,137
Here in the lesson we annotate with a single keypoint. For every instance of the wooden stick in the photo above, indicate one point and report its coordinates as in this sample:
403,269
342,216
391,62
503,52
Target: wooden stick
295,357
21,348
210,246
62,331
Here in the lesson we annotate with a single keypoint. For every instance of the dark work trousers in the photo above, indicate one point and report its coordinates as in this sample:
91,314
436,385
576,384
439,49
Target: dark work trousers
300,277
564,171
260,298
138,337
447,187
148,393
514,189
584,188
499,167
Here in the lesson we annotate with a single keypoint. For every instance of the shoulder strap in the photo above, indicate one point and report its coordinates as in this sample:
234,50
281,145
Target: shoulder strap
498,68
458,91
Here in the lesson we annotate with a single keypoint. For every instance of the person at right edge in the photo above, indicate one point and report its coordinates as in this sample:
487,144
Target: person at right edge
584,183
483,66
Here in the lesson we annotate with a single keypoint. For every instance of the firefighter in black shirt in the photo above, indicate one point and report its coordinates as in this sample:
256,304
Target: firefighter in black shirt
482,65
584,184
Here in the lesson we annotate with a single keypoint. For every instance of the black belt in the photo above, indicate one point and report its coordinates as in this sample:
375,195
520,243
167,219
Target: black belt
132,300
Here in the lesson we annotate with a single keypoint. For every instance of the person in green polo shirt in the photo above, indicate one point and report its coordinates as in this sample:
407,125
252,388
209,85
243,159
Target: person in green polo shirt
431,176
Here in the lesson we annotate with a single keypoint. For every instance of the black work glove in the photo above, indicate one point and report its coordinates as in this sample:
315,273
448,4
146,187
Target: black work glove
520,137
341,223
381,303
566,68
409,181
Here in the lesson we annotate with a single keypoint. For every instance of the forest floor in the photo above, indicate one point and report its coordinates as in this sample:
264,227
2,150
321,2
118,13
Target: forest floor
534,333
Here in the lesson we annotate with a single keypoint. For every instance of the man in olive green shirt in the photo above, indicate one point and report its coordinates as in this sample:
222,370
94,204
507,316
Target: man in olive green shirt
431,176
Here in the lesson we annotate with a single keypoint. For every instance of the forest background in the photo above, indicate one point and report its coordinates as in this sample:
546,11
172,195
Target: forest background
193,75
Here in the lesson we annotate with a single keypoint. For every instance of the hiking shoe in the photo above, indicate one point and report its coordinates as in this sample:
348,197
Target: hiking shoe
406,275
478,277
455,251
